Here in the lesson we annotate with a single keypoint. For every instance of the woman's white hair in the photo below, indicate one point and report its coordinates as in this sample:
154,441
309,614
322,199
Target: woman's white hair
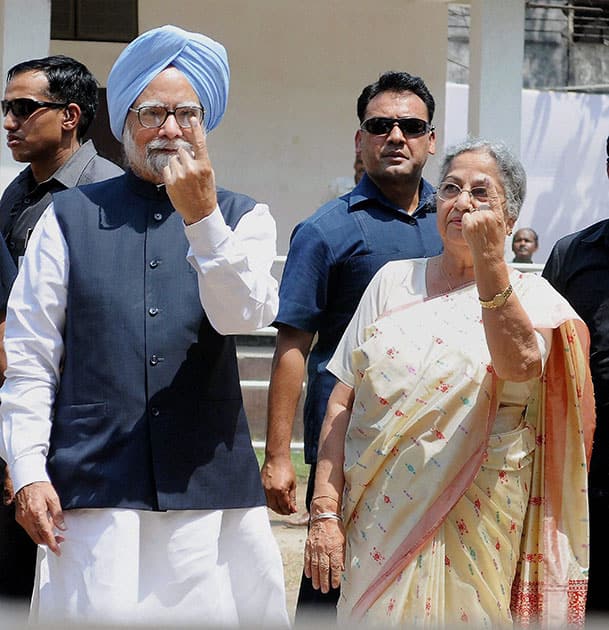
511,171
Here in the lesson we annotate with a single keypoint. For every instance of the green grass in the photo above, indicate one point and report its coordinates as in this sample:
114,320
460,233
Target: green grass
302,469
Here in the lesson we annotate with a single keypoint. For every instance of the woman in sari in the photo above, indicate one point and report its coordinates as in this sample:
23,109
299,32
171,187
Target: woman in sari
451,477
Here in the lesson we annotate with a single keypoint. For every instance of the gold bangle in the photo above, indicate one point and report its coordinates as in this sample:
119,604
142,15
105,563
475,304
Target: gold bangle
499,300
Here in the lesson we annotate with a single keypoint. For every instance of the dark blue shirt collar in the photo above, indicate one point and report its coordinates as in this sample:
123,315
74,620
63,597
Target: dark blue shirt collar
144,188
367,191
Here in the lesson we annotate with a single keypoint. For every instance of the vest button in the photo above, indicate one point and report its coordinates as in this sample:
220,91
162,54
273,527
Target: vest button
153,310
158,216
155,411
154,359
154,263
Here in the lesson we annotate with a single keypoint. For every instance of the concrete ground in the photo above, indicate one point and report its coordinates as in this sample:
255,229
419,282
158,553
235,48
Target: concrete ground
291,542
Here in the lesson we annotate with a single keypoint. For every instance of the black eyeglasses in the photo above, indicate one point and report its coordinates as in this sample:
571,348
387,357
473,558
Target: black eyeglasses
24,107
153,116
410,127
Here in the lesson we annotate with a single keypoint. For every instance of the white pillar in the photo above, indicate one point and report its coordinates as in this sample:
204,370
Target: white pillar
25,31
496,57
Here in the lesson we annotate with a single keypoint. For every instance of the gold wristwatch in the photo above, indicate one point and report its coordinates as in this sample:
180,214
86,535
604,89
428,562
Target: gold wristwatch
499,300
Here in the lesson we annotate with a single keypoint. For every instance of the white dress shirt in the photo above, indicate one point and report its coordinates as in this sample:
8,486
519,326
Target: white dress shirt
236,289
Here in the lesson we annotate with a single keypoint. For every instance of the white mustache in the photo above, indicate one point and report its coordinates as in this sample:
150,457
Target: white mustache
159,144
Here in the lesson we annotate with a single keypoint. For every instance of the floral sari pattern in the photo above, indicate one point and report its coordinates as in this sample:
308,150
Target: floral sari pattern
446,520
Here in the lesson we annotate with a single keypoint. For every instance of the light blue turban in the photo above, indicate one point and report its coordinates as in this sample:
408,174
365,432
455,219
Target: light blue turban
202,60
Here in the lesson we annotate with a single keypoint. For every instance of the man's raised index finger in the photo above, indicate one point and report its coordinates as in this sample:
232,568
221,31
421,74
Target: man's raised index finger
199,142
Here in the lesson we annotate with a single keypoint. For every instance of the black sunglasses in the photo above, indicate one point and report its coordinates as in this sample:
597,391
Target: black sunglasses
25,107
410,127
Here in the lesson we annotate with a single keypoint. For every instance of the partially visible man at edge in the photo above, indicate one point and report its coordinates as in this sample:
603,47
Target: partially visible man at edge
333,255
48,106
122,412
578,268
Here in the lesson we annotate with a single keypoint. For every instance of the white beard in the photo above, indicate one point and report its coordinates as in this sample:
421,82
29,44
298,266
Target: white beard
150,161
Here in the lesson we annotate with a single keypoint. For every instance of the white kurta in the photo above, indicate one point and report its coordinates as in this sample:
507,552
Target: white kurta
119,566
128,567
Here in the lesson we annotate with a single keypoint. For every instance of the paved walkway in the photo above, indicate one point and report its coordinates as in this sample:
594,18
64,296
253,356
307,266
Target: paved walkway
291,542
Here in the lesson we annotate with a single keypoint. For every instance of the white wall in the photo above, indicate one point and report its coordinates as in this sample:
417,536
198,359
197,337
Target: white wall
563,151
97,56
15,46
297,70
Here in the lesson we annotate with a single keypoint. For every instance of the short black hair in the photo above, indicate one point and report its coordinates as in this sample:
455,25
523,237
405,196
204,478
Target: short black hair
69,82
395,82
607,149
528,229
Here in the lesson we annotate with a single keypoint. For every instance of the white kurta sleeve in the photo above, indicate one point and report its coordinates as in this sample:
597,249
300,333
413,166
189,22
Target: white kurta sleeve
34,347
236,287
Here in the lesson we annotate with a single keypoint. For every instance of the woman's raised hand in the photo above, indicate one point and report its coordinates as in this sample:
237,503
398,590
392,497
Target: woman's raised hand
485,228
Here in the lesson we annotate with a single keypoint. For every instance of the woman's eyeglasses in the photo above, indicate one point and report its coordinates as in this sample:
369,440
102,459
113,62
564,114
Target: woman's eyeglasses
448,191
24,107
410,127
153,116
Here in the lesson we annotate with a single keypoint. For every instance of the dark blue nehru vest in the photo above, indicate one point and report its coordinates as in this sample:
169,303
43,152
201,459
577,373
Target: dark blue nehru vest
149,412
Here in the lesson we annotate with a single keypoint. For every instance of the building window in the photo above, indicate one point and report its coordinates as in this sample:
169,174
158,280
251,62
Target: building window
590,22
94,20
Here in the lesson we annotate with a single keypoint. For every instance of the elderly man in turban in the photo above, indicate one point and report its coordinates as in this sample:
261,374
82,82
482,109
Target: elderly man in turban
122,414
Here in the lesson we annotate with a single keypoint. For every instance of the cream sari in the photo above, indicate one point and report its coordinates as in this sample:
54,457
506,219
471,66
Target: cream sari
447,520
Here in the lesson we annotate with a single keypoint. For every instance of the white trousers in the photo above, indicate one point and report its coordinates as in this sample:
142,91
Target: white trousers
127,567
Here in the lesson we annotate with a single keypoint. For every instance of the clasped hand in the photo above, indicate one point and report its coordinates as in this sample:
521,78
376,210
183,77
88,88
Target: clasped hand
279,483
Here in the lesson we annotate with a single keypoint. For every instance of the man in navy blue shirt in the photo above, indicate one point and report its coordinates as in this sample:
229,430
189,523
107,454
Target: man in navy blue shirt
578,267
333,256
